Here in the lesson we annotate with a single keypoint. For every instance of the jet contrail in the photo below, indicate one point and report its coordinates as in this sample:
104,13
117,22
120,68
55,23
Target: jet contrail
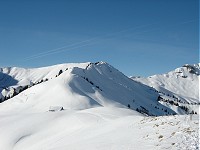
61,50
70,47
96,39
172,25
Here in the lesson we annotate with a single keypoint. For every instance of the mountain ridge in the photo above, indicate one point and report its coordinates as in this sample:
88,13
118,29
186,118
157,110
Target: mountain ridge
81,86
180,85
94,105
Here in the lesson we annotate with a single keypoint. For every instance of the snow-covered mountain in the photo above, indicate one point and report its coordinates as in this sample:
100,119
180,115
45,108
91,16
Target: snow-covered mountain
91,106
76,86
180,86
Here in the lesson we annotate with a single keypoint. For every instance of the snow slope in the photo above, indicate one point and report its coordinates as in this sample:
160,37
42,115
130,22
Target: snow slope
182,82
97,128
180,85
87,106
80,86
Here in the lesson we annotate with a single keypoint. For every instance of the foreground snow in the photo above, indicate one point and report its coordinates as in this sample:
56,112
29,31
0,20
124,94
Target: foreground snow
97,128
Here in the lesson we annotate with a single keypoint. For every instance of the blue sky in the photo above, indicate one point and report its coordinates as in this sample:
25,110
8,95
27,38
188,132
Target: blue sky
138,37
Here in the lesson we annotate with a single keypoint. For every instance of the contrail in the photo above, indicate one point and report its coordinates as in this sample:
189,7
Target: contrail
61,50
157,28
97,38
70,47
56,49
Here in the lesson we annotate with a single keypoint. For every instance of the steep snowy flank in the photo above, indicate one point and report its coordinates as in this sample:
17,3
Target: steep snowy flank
78,86
180,86
19,78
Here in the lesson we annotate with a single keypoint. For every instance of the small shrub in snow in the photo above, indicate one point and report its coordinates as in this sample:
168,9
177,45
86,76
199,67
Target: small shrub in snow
91,83
60,72
161,136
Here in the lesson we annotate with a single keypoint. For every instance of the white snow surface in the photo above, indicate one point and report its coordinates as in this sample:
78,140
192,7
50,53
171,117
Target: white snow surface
89,103
79,86
182,82
99,128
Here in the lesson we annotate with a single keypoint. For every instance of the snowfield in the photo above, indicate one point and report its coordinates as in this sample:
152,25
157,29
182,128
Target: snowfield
95,106
97,128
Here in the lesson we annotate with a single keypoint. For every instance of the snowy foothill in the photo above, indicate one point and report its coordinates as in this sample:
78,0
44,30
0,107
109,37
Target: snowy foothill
95,106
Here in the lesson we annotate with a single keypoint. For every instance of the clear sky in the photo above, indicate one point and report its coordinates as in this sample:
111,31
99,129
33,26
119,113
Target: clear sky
138,37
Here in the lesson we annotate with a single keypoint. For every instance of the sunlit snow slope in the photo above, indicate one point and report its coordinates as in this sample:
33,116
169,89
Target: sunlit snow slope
89,106
97,128
76,86
180,85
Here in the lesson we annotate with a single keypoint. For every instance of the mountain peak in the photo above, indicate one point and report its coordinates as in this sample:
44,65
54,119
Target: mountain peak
77,86
181,84
193,69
